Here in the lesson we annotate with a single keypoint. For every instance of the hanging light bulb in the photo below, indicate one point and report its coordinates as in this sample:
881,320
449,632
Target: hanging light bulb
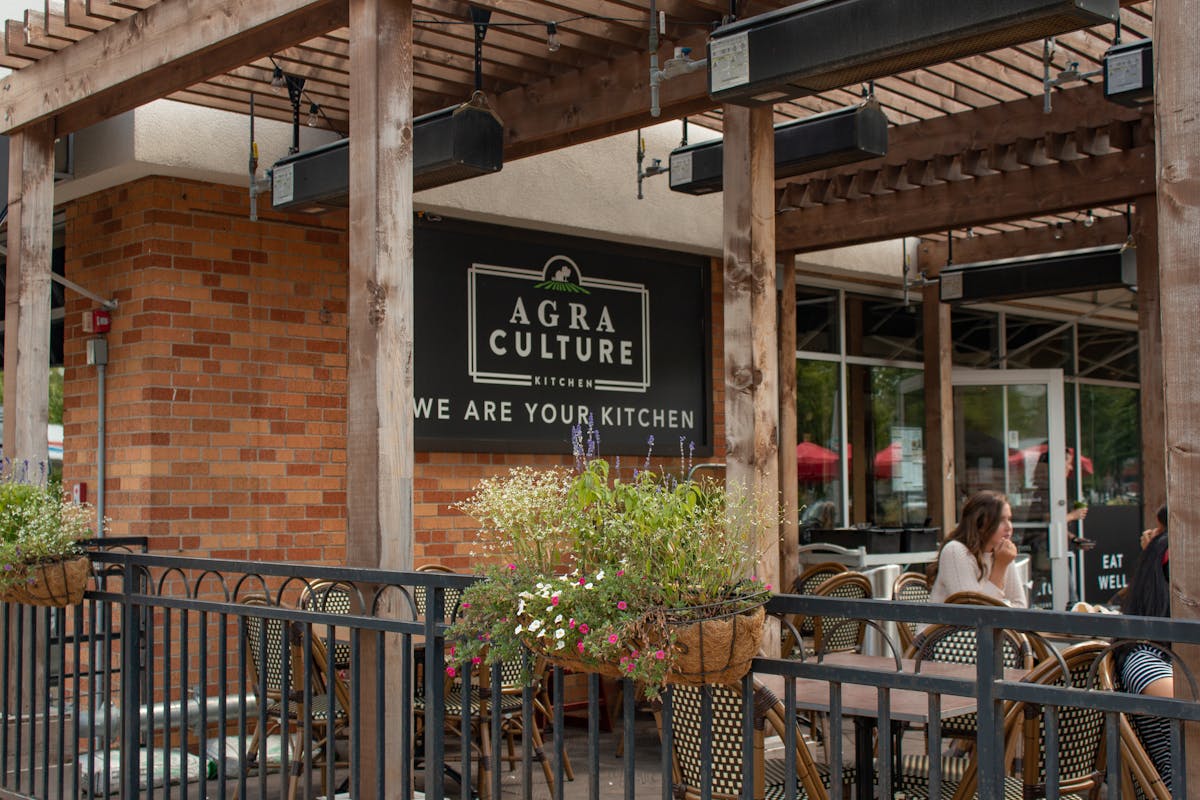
314,111
552,42
970,233
1058,230
1089,219
277,80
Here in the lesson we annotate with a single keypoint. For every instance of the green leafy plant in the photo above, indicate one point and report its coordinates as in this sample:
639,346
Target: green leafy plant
590,567
38,524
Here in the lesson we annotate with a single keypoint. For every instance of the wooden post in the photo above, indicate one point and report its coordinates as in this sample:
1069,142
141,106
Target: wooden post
1150,359
789,490
27,343
1176,97
751,339
27,293
939,405
379,443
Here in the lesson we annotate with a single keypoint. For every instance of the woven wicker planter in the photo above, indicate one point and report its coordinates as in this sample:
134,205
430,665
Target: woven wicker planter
711,650
716,650
55,583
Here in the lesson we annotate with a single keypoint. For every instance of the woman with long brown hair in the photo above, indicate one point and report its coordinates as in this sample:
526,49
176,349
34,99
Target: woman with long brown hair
978,554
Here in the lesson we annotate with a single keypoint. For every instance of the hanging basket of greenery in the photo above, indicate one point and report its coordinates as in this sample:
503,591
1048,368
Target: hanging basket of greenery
642,578
40,528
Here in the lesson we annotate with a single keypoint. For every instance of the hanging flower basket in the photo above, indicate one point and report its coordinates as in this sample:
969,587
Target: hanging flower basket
56,584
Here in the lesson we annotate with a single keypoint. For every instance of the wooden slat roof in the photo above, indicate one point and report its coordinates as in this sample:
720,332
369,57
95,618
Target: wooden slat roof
595,83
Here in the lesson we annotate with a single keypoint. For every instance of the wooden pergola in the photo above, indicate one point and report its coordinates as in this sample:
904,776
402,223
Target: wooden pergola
971,146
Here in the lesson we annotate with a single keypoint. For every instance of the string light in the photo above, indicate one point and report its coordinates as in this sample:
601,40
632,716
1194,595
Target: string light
552,42
277,79
314,111
1058,230
1089,219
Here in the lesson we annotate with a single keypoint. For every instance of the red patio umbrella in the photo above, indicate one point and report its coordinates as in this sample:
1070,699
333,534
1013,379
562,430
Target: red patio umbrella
886,460
1027,457
815,463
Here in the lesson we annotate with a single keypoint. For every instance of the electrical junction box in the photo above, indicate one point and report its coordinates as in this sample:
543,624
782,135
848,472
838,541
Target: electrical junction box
97,352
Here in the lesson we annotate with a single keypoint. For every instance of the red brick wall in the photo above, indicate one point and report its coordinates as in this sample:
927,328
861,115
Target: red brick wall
226,421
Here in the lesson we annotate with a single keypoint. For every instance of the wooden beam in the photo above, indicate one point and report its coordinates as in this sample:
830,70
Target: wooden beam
1176,96
751,338
789,488
27,295
379,396
1027,242
582,106
1150,360
1064,186
168,47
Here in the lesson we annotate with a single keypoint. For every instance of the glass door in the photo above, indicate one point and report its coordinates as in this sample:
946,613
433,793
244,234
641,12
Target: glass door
1009,437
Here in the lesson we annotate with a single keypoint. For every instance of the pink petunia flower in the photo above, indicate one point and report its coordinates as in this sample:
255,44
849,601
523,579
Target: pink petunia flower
476,660
629,667
660,654
451,671
583,628
622,605
620,572
571,622
582,581
452,649
466,605
612,638
512,567
554,600
579,646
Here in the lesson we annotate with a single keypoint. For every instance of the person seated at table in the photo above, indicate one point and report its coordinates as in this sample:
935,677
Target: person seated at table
978,554
1150,533
1145,668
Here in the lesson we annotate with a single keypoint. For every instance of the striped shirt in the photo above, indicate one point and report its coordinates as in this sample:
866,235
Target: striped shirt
1144,665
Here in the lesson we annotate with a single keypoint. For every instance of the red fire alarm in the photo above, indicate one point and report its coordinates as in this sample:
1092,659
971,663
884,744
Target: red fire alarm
97,321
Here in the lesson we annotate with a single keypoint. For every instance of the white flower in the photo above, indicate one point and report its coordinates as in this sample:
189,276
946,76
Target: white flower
558,619
600,575
520,607
560,633
589,586
533,626
519,630
560,645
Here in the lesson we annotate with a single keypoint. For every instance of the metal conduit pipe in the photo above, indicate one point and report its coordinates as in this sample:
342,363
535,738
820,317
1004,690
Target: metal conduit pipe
156,716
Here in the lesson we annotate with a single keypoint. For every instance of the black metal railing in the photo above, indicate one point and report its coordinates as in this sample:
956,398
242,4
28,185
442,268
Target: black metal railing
204,678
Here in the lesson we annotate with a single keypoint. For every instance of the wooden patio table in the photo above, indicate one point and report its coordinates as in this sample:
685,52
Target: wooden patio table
861,703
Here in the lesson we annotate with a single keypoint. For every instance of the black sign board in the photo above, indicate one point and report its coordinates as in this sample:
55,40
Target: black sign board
1107,567
520,335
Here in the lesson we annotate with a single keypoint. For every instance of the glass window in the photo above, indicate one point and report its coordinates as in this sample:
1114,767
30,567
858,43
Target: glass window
891,476
879,327
1108,354
816,321
976,338
818,455
1039,344
1110,444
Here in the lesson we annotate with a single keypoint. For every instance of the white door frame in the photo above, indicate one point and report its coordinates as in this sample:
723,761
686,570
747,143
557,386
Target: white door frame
1052,379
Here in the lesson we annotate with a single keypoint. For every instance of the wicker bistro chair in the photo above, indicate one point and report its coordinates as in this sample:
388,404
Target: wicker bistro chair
1081,740
949,643
301,696
909,587
688,728
1040,647
331,597
830,634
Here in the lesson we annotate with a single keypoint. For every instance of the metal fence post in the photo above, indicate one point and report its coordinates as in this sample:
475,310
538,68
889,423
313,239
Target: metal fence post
130,685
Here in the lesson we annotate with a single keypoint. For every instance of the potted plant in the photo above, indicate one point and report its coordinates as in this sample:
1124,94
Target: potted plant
649,577
41,562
